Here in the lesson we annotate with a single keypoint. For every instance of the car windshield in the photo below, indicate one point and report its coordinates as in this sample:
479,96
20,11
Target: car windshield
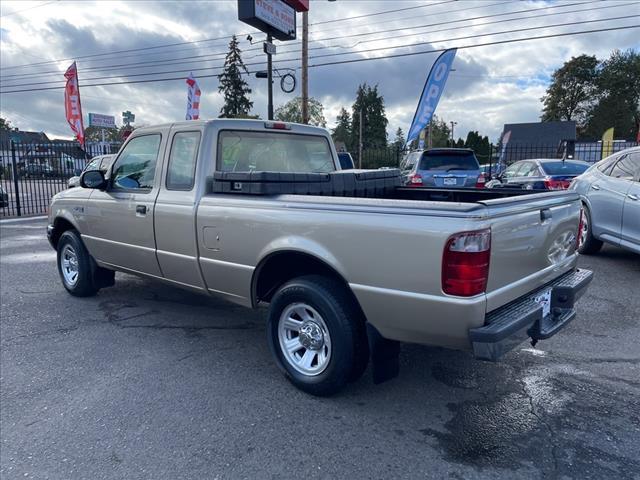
444,160
564,168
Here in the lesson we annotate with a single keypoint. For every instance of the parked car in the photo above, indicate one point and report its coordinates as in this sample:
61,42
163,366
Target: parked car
610,192
4,197
183,205
36,170
100,162
346,161
443,168
539,174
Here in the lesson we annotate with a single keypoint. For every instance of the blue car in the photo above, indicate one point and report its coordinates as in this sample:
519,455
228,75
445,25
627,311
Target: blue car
443,168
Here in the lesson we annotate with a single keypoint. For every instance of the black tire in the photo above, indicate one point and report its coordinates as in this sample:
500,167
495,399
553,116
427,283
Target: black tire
590,245
84,285
346,329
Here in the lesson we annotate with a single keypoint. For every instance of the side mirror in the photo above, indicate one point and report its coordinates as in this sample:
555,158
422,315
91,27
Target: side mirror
93,179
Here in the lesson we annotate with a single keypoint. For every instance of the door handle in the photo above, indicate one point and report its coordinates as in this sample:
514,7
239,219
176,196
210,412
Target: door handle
141,209
595,187
632,196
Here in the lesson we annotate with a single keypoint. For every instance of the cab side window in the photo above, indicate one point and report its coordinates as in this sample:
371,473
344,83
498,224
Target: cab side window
182,161
135,168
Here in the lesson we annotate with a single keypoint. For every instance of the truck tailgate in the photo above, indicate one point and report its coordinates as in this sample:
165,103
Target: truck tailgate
533,241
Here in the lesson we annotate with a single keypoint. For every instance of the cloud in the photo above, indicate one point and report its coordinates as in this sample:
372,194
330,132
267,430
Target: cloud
490,86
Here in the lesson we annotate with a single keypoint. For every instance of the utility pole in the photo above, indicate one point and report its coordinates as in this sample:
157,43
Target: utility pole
360,143
453,124
269,81
305,67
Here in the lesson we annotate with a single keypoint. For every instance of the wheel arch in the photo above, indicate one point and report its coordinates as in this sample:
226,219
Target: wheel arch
61,224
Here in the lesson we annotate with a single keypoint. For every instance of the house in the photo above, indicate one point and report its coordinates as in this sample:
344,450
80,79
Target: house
535,140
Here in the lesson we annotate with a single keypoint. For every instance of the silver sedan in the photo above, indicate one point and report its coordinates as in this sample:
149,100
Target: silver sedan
610,192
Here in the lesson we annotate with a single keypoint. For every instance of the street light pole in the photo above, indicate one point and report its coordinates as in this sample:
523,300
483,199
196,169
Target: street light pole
305,67
453,124
269,81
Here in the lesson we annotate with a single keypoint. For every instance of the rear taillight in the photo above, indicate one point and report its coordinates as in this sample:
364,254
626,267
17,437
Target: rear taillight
465,263
580,225
551,184
415,180
481,181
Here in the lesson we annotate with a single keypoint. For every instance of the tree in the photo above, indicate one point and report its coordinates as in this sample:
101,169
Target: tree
94,134
617,103
342,130
374,120
5,124
440,133
292,112
233,88
398,142
571,92
480,145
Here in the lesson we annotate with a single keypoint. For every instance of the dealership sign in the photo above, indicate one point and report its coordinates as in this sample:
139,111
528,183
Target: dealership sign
269,16
102,121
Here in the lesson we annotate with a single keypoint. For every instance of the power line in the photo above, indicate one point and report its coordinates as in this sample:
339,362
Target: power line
256,33
358,60
28,8
466,37
381,13
209,57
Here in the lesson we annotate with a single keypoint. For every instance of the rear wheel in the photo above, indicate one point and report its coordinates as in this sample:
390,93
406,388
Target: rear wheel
317,335
587,244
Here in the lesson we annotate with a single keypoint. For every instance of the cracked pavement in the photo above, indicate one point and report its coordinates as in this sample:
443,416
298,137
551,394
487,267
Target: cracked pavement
148,381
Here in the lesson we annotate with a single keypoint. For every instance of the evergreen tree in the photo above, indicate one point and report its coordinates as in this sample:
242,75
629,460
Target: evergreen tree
398,142
374,121
342,130
232,86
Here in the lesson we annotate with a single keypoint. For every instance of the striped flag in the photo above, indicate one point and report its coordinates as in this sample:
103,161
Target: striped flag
72,106
193,98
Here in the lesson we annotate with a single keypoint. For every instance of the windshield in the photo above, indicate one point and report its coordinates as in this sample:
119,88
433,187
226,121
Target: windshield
244,151
444,160
564,168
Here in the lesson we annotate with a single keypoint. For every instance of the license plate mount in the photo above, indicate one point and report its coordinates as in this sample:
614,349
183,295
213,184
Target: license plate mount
544,300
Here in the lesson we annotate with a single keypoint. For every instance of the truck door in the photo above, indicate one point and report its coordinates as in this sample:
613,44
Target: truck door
175,213
121,227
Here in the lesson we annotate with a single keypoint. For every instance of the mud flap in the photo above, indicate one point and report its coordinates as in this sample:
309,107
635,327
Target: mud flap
385,356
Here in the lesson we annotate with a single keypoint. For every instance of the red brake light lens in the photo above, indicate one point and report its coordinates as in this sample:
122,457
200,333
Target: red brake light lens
277,125
415,180
481,181
465,263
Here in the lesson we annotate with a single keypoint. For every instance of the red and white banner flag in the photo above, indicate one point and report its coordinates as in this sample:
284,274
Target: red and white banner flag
193,99
72,106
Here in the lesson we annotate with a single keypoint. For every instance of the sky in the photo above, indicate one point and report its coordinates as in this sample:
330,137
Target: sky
489,86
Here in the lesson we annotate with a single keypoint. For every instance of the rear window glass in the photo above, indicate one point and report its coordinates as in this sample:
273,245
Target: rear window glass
564,168
448,161
244,151
346,162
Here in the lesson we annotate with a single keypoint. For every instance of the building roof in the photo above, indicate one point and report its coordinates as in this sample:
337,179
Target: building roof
18,136
548,133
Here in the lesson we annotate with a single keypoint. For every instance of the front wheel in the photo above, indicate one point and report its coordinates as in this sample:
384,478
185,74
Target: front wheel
74,266
317,335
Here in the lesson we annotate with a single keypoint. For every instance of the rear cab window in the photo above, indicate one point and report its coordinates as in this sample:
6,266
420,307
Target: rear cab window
448,160
244,150
182,161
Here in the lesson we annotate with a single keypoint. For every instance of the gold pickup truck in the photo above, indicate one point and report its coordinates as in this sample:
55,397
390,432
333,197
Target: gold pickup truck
259,213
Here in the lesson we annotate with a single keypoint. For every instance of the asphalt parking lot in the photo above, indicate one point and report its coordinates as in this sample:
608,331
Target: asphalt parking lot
146,381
